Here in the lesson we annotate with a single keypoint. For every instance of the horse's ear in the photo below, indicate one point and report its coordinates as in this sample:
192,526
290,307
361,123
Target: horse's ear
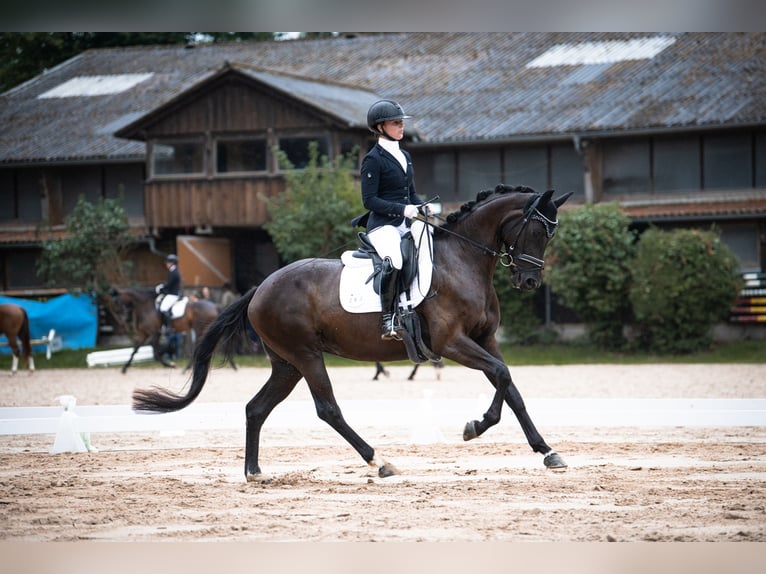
546,196
560,201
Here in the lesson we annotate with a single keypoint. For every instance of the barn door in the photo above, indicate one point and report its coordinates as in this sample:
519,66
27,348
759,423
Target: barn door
204,260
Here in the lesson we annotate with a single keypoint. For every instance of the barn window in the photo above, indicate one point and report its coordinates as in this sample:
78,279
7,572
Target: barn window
479,170
727,161
297,149
566,169
676,164
626,167
178,158
241,155
527,165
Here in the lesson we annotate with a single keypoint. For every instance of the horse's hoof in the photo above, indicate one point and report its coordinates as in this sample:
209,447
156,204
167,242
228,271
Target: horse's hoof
553,460
258,478
469,431
387,469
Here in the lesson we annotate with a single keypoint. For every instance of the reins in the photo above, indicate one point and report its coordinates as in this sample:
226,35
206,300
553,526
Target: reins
530,212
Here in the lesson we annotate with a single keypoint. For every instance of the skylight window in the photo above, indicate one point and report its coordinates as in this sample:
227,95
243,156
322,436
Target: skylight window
95,85
602,52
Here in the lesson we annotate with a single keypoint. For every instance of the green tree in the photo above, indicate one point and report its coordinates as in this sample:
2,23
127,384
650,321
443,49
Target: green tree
589,269
311,218
684,281
91,254
24,55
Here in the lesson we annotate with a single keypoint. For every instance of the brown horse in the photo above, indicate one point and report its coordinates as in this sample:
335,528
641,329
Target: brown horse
14,324
297,313
147,323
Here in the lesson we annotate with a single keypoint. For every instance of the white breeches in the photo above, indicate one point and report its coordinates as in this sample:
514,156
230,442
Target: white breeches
386,240
167,302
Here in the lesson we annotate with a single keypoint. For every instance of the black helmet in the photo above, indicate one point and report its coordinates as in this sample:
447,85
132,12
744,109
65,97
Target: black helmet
172,258
382,111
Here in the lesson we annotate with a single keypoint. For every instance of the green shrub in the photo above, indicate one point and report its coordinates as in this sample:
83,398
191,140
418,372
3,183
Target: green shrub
517,310
588,269
684,281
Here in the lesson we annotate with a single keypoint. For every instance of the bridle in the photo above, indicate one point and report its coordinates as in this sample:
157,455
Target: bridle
531,212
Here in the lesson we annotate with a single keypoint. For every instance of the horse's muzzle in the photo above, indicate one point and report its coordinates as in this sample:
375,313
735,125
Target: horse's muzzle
528,280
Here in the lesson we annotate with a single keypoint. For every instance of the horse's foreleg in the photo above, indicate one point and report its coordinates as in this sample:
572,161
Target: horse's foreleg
328,410
551,459
491,362
282,381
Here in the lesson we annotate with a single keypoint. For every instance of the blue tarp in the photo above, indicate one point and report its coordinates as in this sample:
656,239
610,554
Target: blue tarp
74,317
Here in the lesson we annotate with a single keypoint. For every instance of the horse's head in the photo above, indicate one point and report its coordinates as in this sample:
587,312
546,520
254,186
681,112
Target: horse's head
527,238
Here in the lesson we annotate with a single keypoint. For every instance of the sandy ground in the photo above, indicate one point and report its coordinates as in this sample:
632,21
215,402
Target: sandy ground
623,484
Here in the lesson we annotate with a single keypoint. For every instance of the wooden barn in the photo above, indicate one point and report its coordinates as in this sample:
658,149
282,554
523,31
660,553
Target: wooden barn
672,126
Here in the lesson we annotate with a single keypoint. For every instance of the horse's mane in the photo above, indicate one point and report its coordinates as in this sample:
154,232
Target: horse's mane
142,292
456,216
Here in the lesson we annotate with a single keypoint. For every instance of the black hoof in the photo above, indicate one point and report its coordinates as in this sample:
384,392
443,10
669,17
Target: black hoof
387,470
469,431
553,460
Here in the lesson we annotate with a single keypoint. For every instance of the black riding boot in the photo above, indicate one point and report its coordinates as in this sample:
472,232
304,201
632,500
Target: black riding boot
167,321
388,279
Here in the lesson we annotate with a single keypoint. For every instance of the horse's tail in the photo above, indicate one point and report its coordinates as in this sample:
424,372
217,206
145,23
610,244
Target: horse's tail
26,343
225,330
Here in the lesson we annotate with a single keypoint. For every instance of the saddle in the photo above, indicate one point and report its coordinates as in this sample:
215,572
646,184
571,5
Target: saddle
360,285
409,261
176,310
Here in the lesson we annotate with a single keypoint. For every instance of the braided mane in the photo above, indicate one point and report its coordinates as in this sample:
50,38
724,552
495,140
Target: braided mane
469,206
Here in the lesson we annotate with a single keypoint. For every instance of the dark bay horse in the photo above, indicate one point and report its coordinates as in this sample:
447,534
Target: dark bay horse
14,324
297,313
147,323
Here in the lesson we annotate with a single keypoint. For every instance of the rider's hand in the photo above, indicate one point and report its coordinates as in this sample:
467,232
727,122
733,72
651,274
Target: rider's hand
158,288
410,211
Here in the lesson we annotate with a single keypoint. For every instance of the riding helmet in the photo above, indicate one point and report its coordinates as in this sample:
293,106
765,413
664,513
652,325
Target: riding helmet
172,258
382,111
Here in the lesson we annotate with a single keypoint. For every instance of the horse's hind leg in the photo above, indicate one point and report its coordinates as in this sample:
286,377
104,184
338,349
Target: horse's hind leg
130,359
282,381
328,410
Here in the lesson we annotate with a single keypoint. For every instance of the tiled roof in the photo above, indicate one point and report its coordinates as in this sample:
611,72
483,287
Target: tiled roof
459,86
706,205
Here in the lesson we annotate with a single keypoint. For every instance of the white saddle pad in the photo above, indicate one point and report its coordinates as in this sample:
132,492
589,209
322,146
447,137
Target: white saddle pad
356,296
179,308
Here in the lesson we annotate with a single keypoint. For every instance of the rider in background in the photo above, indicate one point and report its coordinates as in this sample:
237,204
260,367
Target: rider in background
170,291
388,192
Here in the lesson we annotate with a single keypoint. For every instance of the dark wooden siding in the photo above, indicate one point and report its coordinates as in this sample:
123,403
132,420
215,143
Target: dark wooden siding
234,107
218,203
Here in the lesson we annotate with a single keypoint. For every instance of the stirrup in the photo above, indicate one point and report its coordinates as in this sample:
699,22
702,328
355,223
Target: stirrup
387,331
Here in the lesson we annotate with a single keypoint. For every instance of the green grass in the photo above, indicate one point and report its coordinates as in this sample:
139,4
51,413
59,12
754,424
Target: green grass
550,354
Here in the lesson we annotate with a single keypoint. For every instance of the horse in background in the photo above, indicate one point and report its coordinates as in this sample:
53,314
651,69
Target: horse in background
14,324
381,370
147,323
